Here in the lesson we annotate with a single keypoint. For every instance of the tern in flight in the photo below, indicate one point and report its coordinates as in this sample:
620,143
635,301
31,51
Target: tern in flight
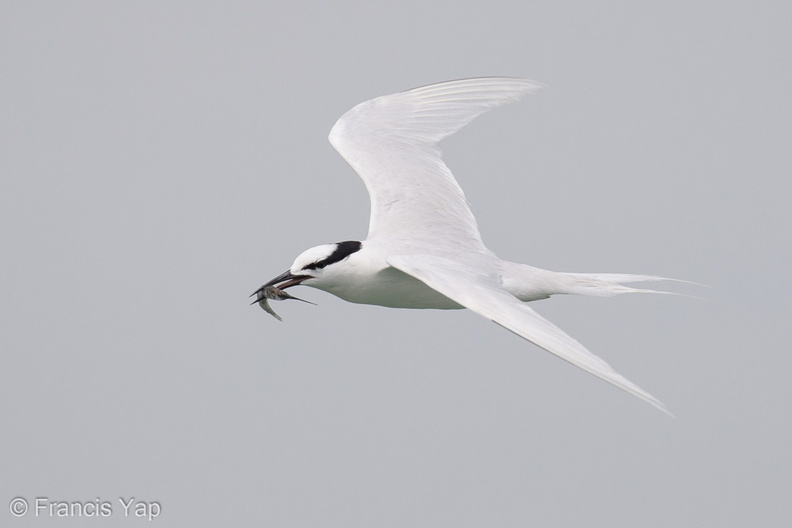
423,248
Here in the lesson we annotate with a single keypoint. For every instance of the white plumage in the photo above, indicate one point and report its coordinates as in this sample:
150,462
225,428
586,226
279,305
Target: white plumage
423,248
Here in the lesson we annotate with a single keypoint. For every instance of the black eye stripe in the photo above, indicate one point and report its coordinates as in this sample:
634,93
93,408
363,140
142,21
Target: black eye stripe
342,251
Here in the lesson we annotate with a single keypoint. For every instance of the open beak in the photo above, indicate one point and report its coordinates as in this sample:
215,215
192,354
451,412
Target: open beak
281,282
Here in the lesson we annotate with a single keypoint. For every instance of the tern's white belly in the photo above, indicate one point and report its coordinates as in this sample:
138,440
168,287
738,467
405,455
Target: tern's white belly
392,288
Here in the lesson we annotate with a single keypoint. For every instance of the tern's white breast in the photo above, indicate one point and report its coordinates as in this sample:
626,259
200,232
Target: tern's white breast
388,287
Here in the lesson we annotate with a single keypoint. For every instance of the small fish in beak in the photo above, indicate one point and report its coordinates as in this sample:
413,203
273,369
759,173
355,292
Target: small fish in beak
270,291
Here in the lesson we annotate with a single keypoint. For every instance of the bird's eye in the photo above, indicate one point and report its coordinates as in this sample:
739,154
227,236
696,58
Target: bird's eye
319,264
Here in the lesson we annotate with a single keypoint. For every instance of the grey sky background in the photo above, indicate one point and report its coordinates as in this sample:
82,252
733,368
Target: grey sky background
161,160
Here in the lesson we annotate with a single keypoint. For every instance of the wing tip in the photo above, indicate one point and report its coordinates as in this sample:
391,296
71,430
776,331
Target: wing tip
517,86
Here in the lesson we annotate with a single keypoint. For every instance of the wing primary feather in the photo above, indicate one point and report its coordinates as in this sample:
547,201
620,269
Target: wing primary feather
480,292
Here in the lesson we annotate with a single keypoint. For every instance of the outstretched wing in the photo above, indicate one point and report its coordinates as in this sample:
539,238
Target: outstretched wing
479,290
391,142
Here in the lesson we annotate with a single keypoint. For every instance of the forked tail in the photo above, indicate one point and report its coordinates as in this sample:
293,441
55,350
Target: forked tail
607,284
530,284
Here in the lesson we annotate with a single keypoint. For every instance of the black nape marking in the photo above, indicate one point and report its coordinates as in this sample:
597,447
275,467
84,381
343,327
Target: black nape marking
342,251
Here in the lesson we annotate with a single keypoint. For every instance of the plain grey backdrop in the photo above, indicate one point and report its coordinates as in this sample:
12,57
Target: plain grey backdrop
161,160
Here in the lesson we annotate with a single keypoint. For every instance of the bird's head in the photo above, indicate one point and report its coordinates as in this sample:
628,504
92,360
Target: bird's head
313,267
